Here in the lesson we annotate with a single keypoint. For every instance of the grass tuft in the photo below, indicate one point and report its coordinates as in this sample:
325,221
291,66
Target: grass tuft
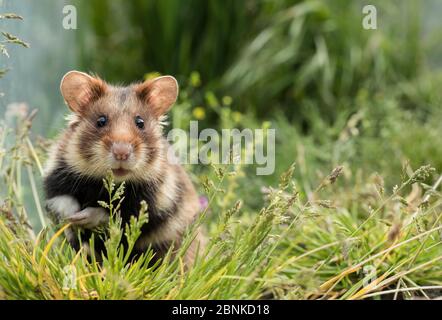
342,241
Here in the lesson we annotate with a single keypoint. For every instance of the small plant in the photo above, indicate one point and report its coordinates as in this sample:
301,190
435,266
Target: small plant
9,39
294,247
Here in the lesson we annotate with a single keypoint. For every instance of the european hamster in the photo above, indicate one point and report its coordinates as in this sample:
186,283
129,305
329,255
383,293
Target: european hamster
119,129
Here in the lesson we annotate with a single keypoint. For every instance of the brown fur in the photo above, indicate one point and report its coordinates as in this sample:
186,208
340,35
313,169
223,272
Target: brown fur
86,148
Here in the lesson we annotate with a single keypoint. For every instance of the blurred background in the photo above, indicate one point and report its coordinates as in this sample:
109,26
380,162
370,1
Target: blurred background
364,105
335,92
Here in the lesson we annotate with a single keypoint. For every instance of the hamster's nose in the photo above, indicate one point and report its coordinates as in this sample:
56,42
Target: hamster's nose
121,150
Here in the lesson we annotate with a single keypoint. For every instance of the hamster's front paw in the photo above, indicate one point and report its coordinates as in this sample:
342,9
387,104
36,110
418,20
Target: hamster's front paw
89,218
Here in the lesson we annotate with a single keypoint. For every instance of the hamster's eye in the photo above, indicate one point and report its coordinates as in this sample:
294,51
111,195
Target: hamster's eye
139,122
101,121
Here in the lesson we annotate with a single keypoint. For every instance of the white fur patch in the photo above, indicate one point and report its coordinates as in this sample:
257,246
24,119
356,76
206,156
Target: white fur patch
64,206
168,190
51,162
90,217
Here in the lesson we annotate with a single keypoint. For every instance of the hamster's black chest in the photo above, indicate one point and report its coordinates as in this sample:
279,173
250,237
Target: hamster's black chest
91,193
88,191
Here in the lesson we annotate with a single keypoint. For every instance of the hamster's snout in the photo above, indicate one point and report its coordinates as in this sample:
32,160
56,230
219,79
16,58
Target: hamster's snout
121,151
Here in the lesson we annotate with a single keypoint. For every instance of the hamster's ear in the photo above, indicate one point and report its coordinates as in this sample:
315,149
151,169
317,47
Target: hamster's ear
80,89
159,94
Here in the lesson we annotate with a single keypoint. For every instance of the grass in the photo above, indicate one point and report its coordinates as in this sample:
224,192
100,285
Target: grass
347,239
284,53
7,40
358,216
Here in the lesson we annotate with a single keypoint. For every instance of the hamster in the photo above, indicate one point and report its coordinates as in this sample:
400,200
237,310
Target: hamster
119,129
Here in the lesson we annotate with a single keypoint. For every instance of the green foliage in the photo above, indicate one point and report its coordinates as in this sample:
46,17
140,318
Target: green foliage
8,39
315,54
174,37
300,57
315,246
359,101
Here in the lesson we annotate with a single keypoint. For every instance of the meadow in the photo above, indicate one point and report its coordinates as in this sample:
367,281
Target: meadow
354,208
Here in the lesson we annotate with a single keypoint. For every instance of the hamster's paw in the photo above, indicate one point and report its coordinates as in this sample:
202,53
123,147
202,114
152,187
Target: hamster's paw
89,218
62,207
